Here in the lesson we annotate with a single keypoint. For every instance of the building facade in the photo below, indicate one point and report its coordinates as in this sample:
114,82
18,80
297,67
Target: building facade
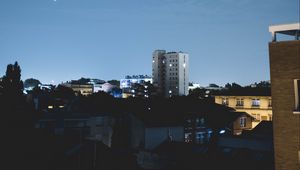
83,89
130,80
170,71
259,107
135,86
285,75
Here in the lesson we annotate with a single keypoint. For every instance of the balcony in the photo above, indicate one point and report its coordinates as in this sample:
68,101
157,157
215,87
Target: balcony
255,106
239,106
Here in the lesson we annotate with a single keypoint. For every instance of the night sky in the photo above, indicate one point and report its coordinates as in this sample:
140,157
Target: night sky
60,40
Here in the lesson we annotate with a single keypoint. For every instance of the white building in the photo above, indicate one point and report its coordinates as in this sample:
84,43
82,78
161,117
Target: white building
194,86
105,87
170,72
130,80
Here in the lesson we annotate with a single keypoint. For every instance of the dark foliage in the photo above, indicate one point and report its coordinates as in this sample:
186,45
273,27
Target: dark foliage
31,83
114,82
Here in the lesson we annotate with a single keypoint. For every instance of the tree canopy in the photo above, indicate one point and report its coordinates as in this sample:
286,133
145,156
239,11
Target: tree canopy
31,82
12,85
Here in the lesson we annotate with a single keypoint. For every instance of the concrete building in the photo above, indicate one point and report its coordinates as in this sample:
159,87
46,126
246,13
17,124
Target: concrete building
259,107
285,75
170,72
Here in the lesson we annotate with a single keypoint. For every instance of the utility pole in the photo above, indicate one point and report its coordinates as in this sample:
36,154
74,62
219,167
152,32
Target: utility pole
95,154
80,143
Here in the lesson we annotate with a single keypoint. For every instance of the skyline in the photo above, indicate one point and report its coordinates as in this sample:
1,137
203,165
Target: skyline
227,41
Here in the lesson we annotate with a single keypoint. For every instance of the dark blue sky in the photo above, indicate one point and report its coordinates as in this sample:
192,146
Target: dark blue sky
227,40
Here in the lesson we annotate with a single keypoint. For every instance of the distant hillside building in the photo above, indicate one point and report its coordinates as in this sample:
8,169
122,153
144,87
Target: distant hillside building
130,80
84,89
170,71
105,87
135,86
285,81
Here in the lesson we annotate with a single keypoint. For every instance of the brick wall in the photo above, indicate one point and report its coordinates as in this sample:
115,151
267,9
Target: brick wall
284,68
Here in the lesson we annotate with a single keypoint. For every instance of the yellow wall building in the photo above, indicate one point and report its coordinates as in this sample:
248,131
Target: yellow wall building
85,89
260,107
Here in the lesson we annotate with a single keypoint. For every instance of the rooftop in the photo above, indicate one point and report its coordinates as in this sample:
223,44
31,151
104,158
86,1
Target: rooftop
286,29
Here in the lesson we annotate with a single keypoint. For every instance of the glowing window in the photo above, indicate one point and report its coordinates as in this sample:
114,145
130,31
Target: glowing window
255,102
243,121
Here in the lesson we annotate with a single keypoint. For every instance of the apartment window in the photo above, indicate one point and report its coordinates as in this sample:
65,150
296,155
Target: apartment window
255,102
297,95
240,102
270,103
243,121
225,101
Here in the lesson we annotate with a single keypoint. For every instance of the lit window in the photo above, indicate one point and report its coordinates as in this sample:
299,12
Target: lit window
50,107
170,65
170,91
255,102
243,121
61,106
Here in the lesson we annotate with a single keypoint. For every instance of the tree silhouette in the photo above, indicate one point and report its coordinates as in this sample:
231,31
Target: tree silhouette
31,83
114,82
12,85
63,92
